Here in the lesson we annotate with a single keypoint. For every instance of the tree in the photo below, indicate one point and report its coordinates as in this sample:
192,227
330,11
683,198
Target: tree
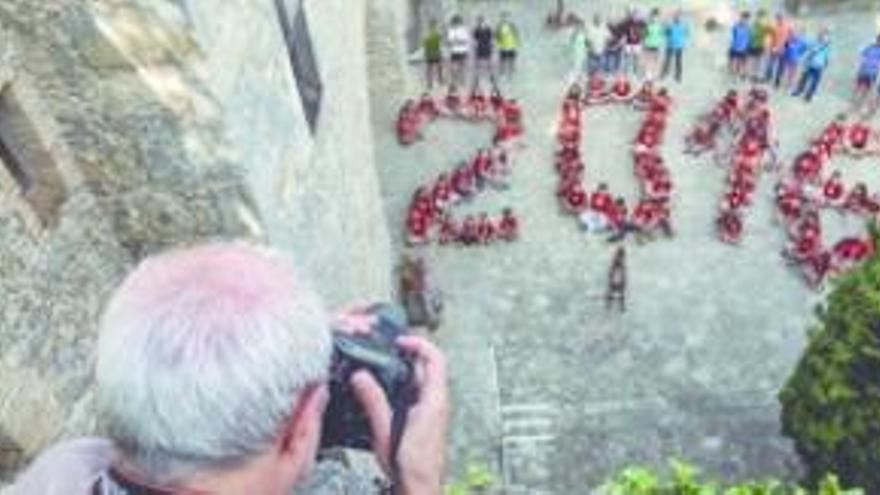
831,404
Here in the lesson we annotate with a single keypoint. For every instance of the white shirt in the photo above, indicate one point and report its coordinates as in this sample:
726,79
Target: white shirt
459,39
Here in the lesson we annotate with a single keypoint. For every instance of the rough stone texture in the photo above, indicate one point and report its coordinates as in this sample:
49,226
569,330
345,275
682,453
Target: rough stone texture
550,390
170,123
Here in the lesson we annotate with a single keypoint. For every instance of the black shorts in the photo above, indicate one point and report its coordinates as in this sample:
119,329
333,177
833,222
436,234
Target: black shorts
866,80
507,54
483,56
458,57
434,60
735,55
756,52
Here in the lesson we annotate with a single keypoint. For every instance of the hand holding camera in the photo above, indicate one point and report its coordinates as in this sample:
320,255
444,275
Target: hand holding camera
389,392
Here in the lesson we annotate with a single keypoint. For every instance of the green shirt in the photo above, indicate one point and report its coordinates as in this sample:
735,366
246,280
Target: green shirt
432,44
761,34
654,35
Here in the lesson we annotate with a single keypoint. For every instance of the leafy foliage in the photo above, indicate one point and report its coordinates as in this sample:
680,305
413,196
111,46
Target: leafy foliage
478,480
831,404
682,479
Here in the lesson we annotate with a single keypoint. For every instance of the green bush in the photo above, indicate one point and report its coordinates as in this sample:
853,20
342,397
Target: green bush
831,404
683,479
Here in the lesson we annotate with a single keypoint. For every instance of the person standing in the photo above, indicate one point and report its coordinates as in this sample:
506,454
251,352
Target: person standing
432,46
780,33
816,59
868,70
578,46
759,44
740,38
654,39
458,39
616,291
484,46
419,295
633,30
598,37
508,41
677,36
614,47
792,54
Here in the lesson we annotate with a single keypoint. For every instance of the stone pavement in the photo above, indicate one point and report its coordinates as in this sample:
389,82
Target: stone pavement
550,390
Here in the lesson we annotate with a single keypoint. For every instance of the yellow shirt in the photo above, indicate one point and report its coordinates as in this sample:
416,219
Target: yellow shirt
506,38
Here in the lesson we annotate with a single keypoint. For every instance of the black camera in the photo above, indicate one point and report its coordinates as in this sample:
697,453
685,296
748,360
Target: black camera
345,421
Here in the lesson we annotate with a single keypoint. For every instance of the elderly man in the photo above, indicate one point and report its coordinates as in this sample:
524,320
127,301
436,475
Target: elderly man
211,379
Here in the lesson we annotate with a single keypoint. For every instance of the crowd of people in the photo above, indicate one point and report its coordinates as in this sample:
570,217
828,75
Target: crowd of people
429,215
637,45
450,50
808,188
773,50
600,210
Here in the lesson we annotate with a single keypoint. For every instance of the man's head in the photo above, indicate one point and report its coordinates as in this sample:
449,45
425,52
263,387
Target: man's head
211,360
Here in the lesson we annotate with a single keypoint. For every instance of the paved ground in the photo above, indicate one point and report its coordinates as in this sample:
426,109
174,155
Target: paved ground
551,390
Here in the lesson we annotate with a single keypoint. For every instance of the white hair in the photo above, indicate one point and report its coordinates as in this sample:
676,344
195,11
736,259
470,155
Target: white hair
202,355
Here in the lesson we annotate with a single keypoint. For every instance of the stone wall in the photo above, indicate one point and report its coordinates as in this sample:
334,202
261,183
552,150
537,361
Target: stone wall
168,123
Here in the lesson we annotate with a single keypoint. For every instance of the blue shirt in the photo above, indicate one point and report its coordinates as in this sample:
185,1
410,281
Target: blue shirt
741,37
795,48
870,60
677,35
819,55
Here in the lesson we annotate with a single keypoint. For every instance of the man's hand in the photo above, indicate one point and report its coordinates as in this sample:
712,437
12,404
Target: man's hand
421,455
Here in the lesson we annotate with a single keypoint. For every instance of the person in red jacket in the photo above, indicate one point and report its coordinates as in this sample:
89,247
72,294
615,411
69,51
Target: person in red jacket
485,230
478,104
853,250
408,124
730,226
449,232
807,167
510,126
482,168
428,108
601,200
508,227
470,231
574,198
597,92
464,183
833,191
858,200
442,192
789,202
418,227
621,90
857,138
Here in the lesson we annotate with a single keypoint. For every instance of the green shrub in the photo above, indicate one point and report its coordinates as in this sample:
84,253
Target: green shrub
684,479
831,404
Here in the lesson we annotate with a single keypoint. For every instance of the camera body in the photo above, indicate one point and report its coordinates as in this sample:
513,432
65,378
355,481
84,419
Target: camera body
345,421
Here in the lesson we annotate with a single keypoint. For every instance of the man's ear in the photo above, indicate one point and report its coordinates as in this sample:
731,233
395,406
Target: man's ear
305,424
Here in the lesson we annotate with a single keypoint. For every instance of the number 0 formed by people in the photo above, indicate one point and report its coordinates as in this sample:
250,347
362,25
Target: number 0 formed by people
600,211
429,217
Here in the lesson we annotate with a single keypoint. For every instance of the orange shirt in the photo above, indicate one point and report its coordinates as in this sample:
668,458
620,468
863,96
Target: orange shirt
780,33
